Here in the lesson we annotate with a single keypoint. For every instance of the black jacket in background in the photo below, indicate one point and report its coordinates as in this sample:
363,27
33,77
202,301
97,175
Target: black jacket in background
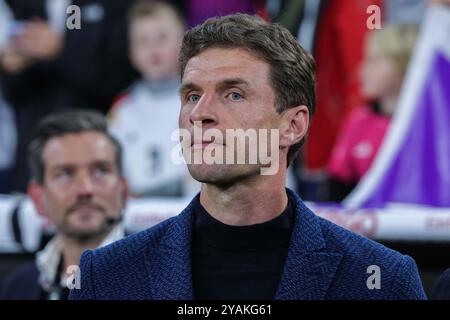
22,284
442,288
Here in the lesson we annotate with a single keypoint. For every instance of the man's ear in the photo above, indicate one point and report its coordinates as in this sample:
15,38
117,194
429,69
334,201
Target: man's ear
294,125
35,192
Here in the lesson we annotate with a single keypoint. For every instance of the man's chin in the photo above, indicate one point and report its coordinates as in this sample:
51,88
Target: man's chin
220,174
205,173
86,232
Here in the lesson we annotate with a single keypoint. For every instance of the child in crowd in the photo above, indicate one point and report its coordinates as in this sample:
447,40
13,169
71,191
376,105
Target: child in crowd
144,118
385,63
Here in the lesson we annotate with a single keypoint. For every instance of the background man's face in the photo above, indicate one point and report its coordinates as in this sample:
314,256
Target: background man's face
82,187
226,89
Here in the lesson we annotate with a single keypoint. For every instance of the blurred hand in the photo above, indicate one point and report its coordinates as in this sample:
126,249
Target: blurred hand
39,41
12,61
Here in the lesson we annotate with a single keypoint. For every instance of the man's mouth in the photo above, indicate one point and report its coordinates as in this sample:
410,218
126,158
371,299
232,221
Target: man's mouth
88,208
202,144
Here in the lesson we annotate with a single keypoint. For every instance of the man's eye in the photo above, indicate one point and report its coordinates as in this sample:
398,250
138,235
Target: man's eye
101,171
235,96
193,98
64,174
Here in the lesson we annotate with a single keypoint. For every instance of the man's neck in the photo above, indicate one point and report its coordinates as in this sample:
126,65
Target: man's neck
256,201
72,249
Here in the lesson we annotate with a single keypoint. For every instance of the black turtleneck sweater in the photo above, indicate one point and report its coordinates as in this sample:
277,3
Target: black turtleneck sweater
239,262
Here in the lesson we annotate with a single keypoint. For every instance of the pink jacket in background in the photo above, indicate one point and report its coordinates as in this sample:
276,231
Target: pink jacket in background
357,145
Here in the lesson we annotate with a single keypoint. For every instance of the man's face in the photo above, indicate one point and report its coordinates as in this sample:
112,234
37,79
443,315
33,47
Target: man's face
226,89
82,188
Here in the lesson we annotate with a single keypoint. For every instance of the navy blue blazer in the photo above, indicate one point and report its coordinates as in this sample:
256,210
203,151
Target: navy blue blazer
324,261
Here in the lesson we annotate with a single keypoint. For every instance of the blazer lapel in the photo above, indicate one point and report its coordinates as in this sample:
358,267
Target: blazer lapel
309,270
169,267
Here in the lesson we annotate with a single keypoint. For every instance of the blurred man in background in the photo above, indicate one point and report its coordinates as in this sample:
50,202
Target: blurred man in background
46,66
77,185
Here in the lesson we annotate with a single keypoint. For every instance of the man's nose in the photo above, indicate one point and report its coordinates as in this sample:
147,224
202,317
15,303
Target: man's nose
205,111
85,184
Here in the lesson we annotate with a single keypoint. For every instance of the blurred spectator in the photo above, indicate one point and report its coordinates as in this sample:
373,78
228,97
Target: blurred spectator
338,50
76,185
8,137
333,31
144,119
385,63
46,67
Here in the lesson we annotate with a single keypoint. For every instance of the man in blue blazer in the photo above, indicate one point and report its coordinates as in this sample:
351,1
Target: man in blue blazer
250,86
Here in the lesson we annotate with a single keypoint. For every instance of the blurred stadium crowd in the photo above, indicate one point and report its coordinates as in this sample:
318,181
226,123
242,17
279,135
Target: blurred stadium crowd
123,63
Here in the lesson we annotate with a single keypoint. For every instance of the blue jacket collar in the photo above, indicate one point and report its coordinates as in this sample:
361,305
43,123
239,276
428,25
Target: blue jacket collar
308,272
309,269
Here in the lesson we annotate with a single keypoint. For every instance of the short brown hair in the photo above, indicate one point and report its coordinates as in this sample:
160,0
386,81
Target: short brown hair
292,69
